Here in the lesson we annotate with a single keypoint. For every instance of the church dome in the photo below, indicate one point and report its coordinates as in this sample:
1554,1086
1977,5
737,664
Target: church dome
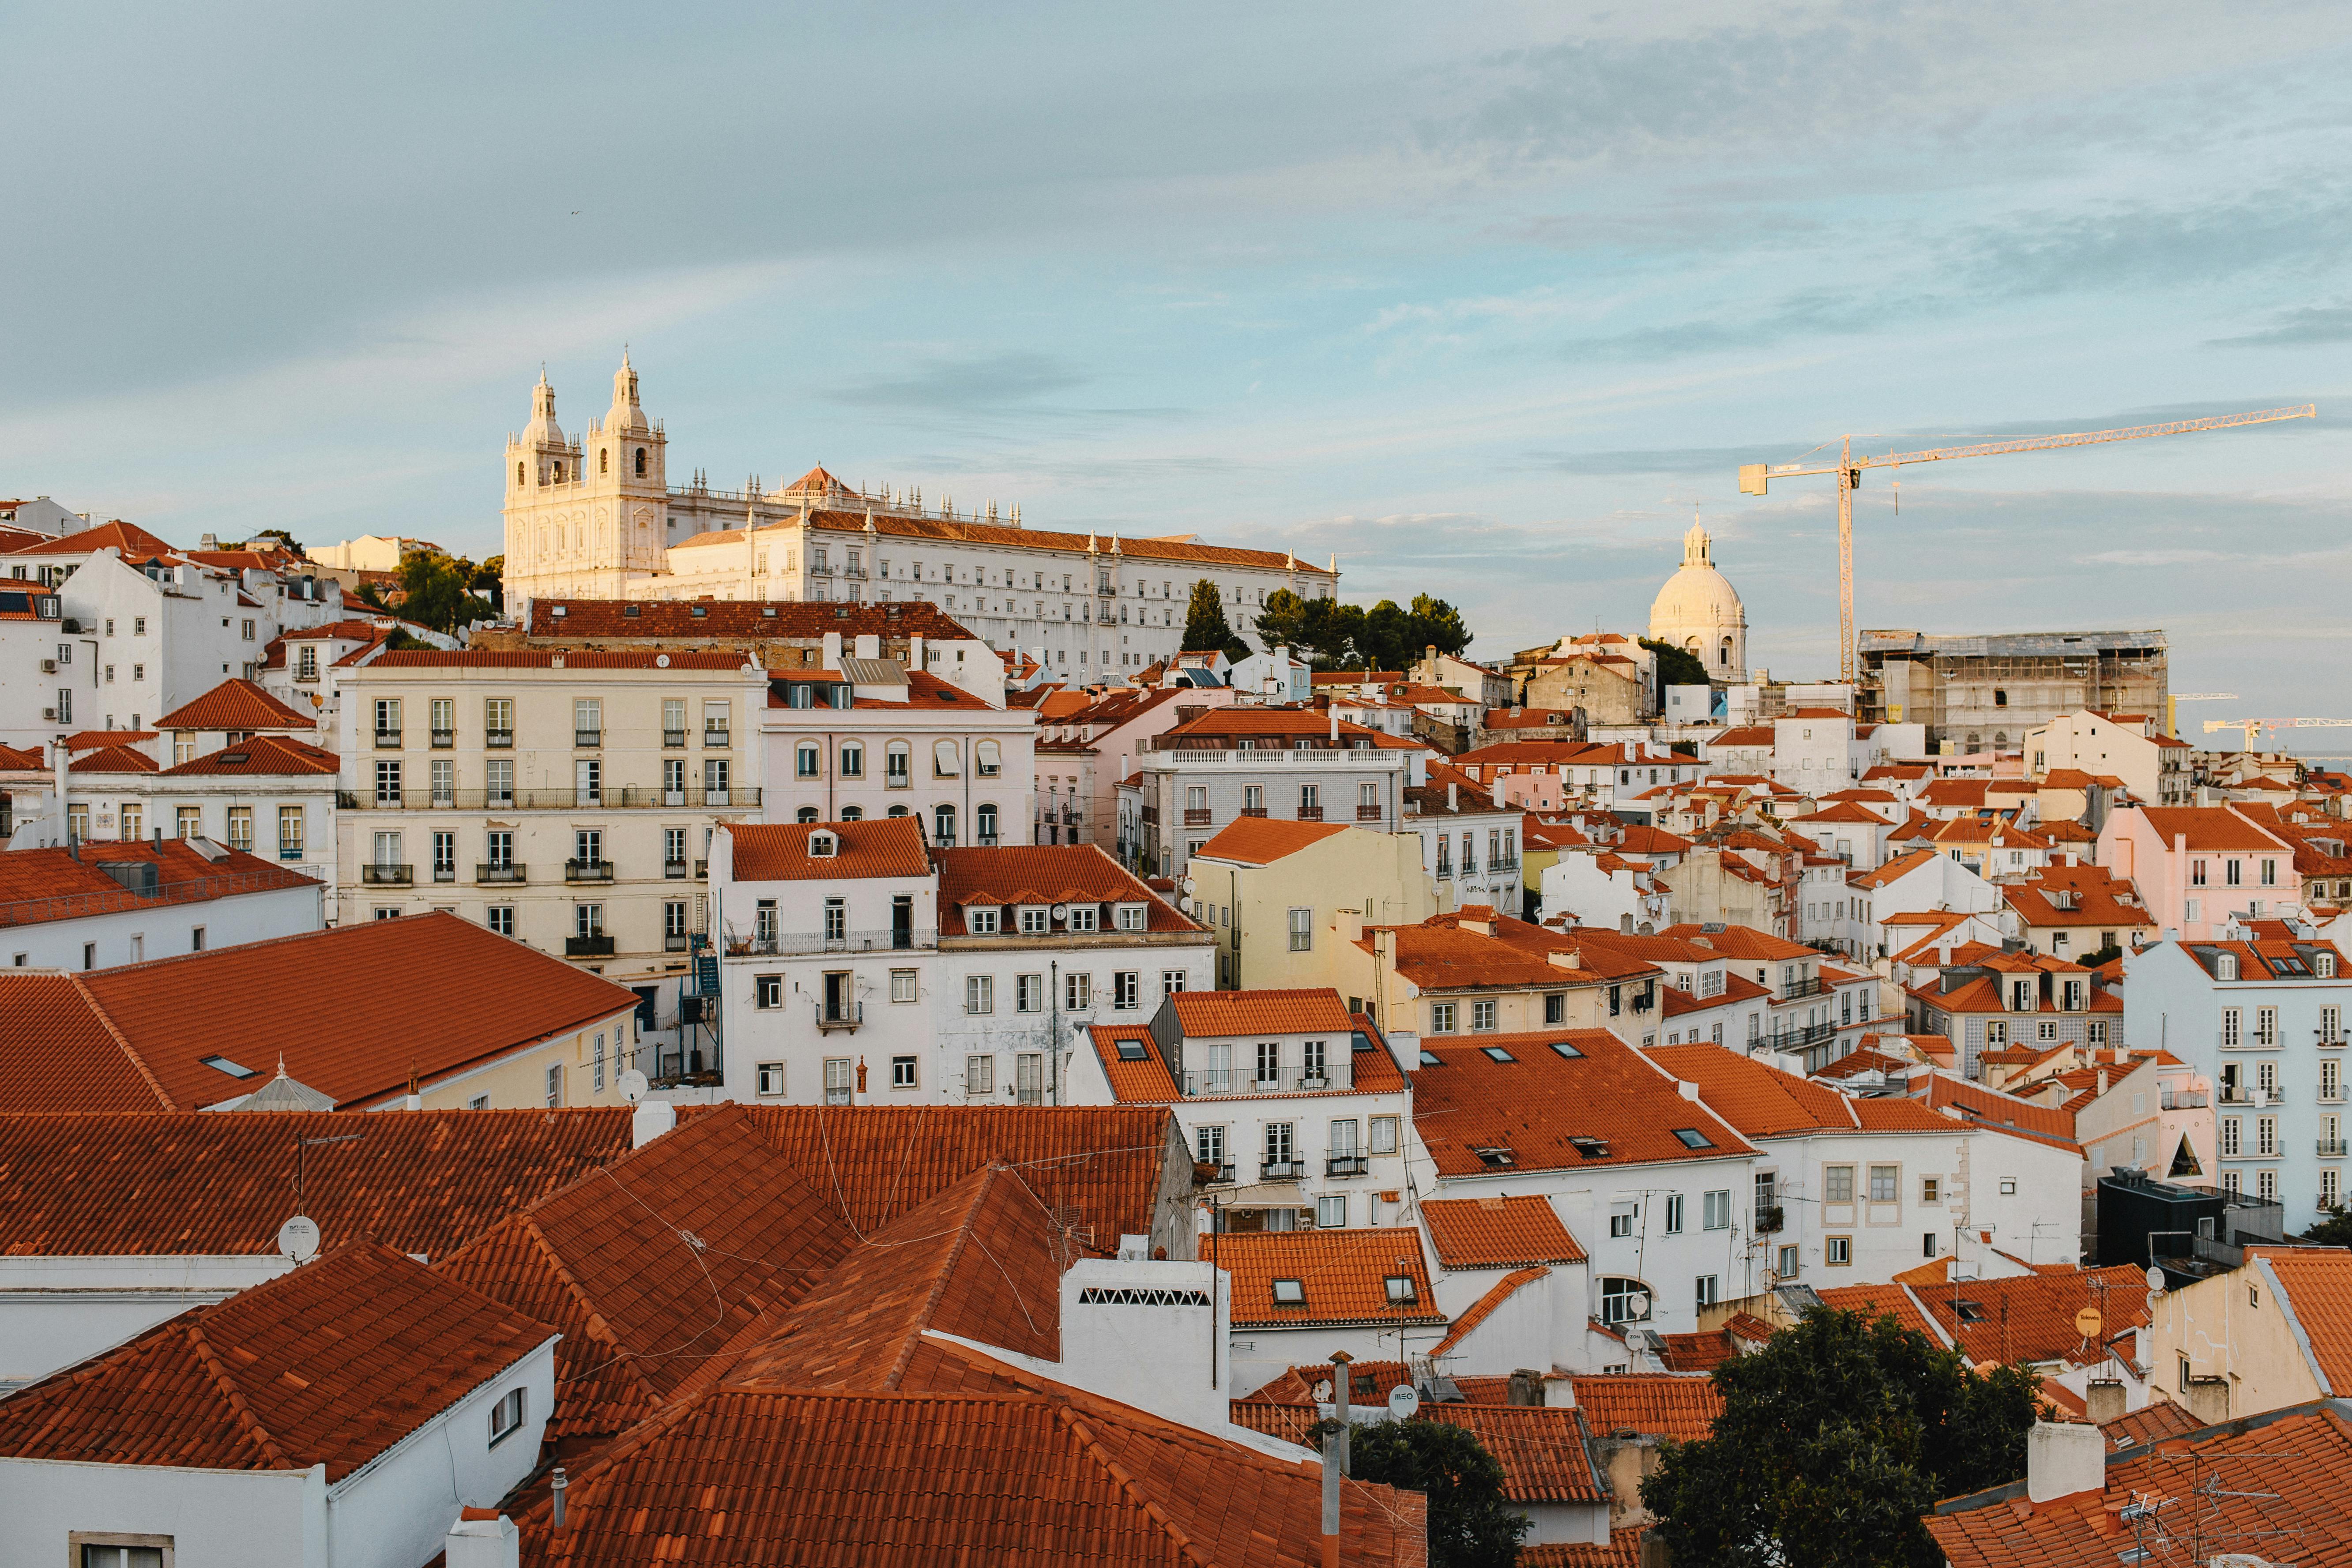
1698,610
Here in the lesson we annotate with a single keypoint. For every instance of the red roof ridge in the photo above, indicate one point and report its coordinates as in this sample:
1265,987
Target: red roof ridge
138,1062
226,1386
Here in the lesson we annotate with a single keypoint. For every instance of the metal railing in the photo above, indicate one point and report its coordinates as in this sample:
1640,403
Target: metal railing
2185,1100
587,737
675,941
388,738
1344,1166
831,1019
674,870
445,873
1770,1220
789,944
622,797
498,740
2331,1148
1311,814
1246,1080
1252,811
1269,756
511,871
587,947
587,870
1370,813
444,738
387,876
1801,988
1198,816
1812,1034
711,737
2240,1094
1281,1169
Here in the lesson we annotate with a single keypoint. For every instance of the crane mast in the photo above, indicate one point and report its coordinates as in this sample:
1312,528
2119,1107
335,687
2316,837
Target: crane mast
1755,477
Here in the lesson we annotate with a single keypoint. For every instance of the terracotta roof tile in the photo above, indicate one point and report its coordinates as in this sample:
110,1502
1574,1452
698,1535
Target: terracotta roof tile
1541,1450
1220,1014
2030,1316
234,705
2319,1285
273,756
1131,1061
41,885
679,620
114,759
2153,1422
1497,1233
878,846
1262,840
135,542
550,659
1623,1551
2207,827
1659,1405
1042,874
1608,1105
1341,1272
332,1364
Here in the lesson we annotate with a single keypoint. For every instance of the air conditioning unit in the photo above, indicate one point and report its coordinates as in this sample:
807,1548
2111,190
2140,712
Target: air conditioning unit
48,667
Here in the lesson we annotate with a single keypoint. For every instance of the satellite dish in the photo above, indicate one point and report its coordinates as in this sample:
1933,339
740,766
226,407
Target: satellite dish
2086,1322
1184,904
298,1238
2155,1277
1638,1304
1187,885
633,1086
1404,1400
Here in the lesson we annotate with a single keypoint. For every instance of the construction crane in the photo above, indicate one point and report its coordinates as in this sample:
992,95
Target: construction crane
2250,727
2172,706
1753,477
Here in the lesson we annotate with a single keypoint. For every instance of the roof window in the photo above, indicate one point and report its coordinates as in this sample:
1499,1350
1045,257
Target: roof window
222,1064
1591,1148
823,846
1431,1059
629,612
1971,1312
1496,1054
1565,1049
1290,1293
768,611
698,611
1401,1289
1691,1138
1497,1159
1130,1050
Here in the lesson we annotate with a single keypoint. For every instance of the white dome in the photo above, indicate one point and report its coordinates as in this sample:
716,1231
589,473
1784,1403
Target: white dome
1700,610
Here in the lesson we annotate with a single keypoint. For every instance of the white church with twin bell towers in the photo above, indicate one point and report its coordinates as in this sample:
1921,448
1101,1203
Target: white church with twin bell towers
595,516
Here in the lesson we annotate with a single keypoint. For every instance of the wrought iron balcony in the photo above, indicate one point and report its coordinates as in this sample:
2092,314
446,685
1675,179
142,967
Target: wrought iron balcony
1281,1169
511,871
587,737
498,740
587,870
386,876
388,738
1370,813
444,738
587,947
1311,814
1344,1166
845,1017
673,737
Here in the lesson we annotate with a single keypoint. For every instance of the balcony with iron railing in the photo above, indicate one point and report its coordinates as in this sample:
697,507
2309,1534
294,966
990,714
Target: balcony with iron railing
1311,814
714,736
511,871
2331,1148
387,740
580,738
1796,989
1198,816
674,870
445,873
587,870
1770,1219
1361,755
792,944
2180,1100
442,739
847,1016
1797,1039
1252,811
1370,813
622,797
1507,863
587,947
387,876
1281,1169
675,941
498,740
1345,1165
1248,1080
2247,1041
2243,1095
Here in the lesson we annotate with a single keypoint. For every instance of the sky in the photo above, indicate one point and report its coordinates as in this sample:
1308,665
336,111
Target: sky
1487,300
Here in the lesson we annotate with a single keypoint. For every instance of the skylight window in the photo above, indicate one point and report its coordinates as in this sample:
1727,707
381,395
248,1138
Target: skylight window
1496,1054
1289,1293
1971,1312
222,1064
1565,1049
1431,1059
1130,1050
1497,1159
1401,1289
1591,1148
1691,1138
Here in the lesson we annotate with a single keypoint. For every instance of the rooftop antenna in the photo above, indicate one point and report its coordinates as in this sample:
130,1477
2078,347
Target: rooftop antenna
298,1238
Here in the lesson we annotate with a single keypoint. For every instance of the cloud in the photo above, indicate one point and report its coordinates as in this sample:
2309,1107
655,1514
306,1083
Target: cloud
2284,227
2293,329
2149,557
963,384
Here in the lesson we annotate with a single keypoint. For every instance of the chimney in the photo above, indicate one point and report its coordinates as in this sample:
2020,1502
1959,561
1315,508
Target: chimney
650,1120
2063,1459
1571,959
1453,800
869,644
833,650
915,651
556,1485
1526,1388
1335,1458
1335,725
1559,1391
2103,1399
1687,1089
482,1538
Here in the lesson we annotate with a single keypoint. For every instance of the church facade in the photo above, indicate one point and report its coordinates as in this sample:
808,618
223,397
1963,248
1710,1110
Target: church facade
1699,612
595,516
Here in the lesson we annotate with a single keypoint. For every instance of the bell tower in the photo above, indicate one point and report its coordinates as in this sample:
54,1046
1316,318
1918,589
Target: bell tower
585,516
627,456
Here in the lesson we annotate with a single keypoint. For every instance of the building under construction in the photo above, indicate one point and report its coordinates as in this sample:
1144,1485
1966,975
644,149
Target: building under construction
1988,691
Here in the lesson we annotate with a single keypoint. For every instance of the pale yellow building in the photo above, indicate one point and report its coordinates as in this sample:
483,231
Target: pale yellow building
2275,1333
1476,973
1287,900
2129,746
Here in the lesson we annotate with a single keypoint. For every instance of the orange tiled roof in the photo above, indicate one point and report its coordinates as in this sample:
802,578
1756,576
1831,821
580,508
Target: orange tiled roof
1623,1551
234,705
1655,1404
114,759
1262,840
1217,1014
1497,1233
2030,1316
1100,1166
135,541
38,886
1042,874
1609,1105
1135,1078
272,755
425,1182
1341,1272
1990,1108
2207,827
1541,1450
1764,1103
680,619
330,1364
548,659
878,846
2319,1285
490,995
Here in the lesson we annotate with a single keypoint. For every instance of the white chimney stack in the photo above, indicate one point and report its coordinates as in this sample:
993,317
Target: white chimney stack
650,1120
2061,1458
482,1538
833,650
1171,1359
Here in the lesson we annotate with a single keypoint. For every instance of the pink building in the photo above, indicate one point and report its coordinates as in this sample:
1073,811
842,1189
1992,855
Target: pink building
2200,865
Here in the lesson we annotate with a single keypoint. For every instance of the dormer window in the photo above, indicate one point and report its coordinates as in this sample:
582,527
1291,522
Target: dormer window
2225,967
2323,964
1035,920
1132,917
2020,996
981,919
822,845
1084,917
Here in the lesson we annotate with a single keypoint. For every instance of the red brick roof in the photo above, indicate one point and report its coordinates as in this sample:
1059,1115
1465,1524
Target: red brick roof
1042,874
234,705
1262,840
1654,1405
1536,1107
1497,1233
1541,1450
2030,1316
1875,1301
2319,1285
1446,957
735,619
113,759
1342,1272
275,755
423,1181
1216,1014
332,1364
2095,893
1099,1167
1743,941
135,541
38,886
551,658
2207,827
878,846
490,995
1764,1103
2003,1112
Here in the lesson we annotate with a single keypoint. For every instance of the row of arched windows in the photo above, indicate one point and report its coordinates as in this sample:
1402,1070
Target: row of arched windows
555,469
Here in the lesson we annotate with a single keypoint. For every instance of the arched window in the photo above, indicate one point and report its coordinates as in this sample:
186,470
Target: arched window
641,462
852,760
806,760
898,810
1623,1301
947,762
603,459
559,473
943,826
897,767
805,813
987,761
853,814
983,825
519,474
1723,654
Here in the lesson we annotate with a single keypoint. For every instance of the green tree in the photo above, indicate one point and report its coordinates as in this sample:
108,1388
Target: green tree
1833,1440
1470,1525
1676,666
1205,628
1283,623
2335,1230
439,592
1438,624
491,574
401,641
